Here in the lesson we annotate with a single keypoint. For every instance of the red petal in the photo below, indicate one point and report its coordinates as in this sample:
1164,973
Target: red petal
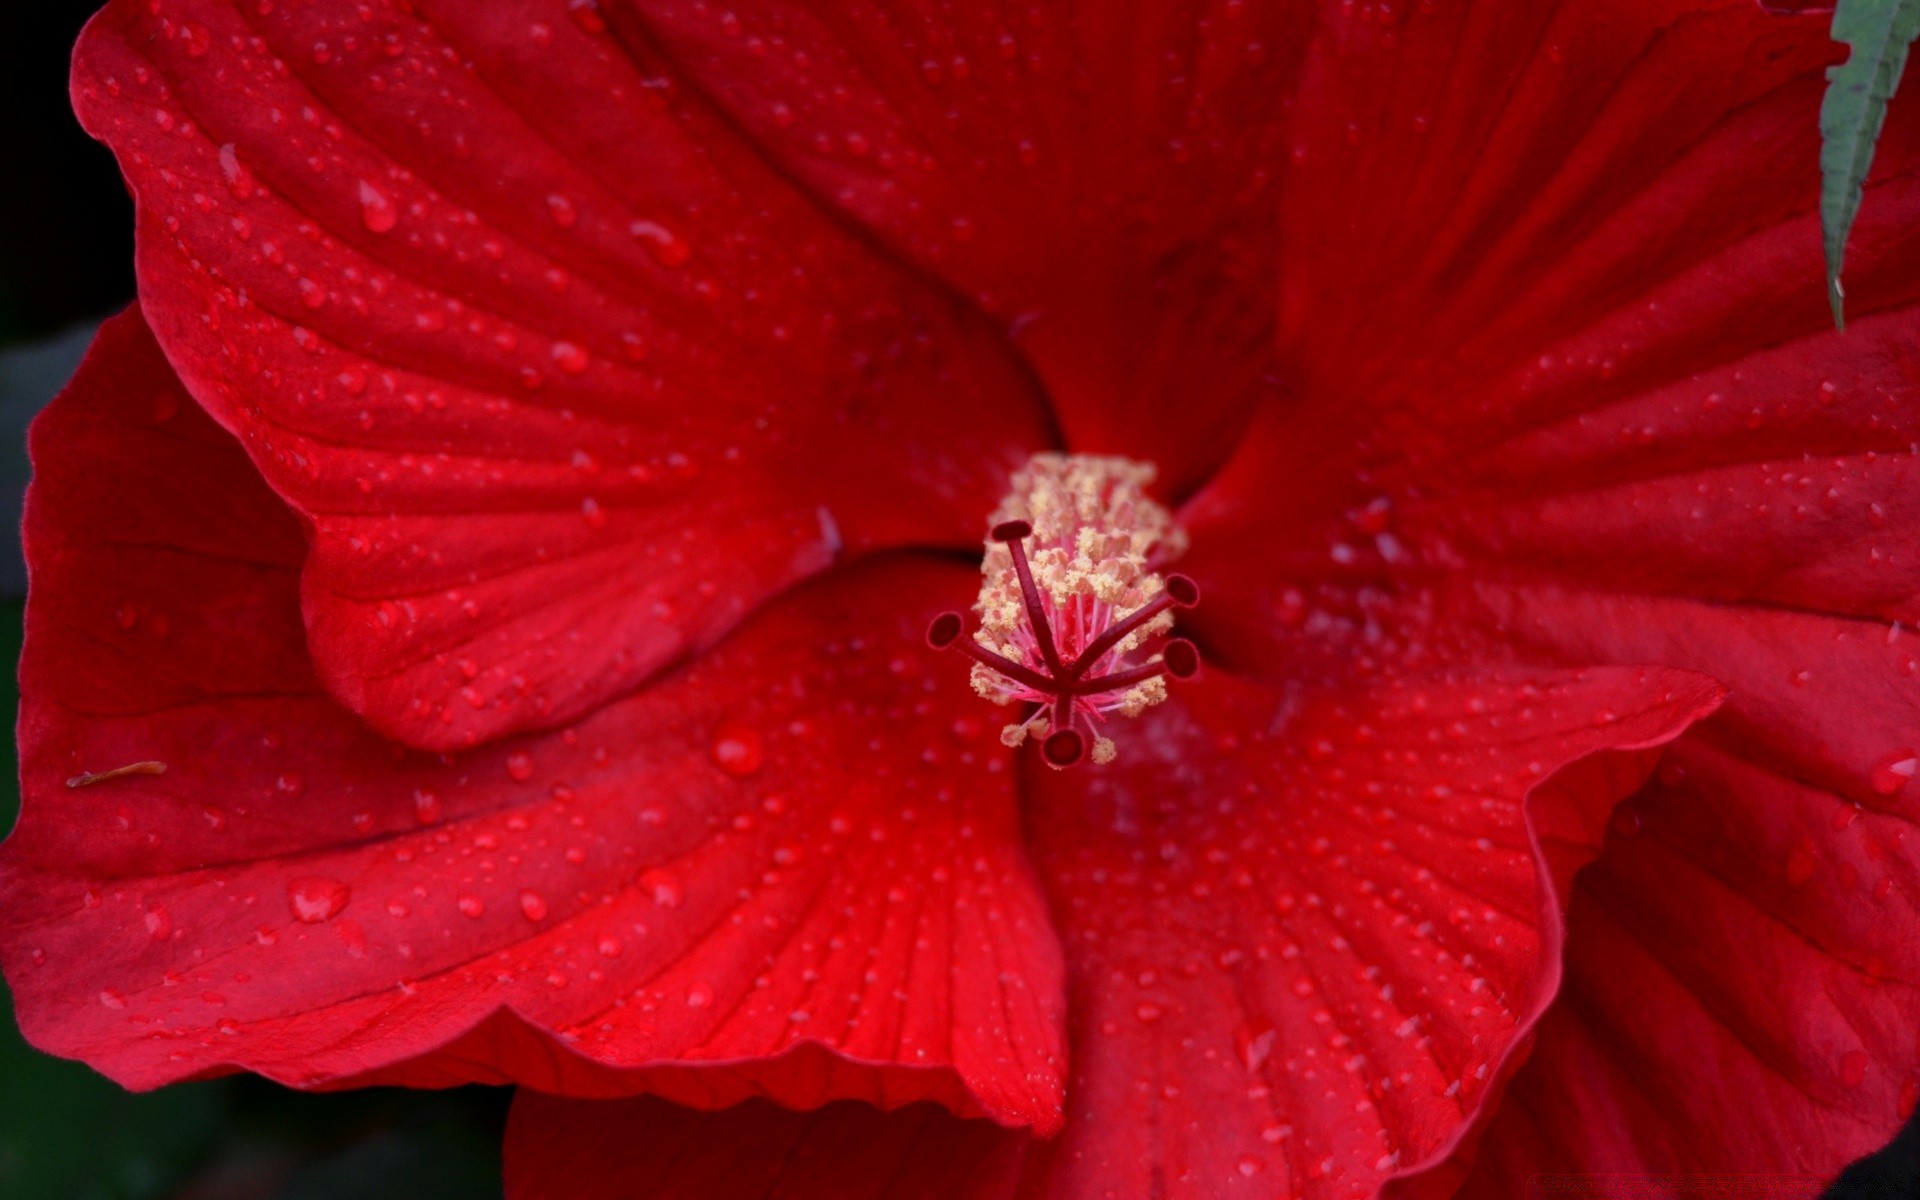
646,1149
1305,943
791,870
566,379
1611,423
1599,275
1098,177
1739,971
1575,181
1740,989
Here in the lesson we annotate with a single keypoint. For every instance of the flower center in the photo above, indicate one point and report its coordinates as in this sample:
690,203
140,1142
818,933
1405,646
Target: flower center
1074,612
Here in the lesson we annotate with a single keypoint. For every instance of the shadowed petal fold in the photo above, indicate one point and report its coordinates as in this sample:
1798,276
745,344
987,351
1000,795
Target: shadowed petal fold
1307,938
1100,178
791,870
563,378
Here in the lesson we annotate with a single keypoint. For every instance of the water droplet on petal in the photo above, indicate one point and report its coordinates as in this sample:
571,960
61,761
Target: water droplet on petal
520,766
376,211
665,246
586,14
737,751
159,923
700,995
533,906
239,179
470,905
662,886
316,898
1891,773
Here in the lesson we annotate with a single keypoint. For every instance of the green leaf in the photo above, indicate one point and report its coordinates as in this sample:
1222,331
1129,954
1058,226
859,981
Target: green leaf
1879,33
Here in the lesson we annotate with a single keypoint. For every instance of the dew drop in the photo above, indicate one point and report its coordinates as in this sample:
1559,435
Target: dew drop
1893,771
1256,1048
239,179
533,905
112,999
562,210
159,923
586,14
470,905
662,243
520,766
376,211
700,995
570,358
662,886
316,898
426,806
737,751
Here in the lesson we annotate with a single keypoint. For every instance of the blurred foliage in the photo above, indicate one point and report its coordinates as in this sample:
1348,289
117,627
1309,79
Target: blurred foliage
69,1134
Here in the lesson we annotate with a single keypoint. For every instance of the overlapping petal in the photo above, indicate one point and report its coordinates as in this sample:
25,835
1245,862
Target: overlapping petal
1617,427
792,869
1100,177
563,376
1666,1053
1307,936
573,339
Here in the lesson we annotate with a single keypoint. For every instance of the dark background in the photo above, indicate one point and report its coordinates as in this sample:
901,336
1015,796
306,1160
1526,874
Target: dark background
66,261
66,228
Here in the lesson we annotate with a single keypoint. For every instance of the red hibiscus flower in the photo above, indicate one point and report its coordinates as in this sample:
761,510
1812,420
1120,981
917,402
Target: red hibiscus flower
478,599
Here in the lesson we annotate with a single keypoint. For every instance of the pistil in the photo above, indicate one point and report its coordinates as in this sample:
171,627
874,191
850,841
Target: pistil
1068,623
